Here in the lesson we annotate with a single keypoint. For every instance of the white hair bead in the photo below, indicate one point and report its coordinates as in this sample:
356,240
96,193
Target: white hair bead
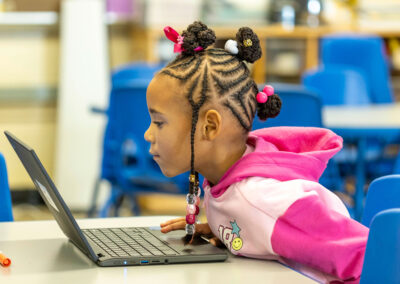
231,46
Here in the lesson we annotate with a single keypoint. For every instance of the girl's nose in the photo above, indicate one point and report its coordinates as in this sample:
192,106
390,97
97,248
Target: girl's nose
147,136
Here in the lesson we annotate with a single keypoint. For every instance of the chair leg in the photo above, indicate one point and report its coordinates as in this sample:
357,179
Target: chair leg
396,169
360,180
118,203
135,205
93,207
111,202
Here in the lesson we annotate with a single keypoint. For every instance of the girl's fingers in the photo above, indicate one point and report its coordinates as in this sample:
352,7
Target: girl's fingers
173,225
169,222
180,223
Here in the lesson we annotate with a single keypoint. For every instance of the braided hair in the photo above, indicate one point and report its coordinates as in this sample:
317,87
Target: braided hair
216,73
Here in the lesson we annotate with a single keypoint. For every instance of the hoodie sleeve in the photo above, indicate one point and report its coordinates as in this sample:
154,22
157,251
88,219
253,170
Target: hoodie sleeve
311,233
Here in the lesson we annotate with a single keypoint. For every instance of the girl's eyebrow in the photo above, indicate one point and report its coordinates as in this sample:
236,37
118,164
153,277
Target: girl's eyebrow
153,111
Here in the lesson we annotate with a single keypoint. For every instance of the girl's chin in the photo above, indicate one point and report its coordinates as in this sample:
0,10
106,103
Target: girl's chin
170,173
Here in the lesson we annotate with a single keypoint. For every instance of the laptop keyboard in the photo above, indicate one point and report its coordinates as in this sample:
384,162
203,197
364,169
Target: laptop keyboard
124,242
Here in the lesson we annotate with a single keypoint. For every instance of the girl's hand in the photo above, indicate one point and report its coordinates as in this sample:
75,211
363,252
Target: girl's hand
201,229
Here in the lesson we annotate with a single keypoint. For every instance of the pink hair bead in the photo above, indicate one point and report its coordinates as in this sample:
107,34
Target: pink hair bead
197,210
191,209
269,90
190,219
262,97
198,201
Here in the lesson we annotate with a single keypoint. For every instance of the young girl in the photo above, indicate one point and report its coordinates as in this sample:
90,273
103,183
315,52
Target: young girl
262,196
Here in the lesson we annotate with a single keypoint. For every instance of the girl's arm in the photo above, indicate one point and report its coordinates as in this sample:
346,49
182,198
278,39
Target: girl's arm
314,235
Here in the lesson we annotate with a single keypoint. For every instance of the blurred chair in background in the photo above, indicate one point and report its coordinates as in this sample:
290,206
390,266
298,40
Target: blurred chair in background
396,169
301,107
5,196
382,255
366,53
341,85
126,163
383,193
338,85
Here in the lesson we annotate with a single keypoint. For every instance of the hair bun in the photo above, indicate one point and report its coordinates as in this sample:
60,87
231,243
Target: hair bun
248,45
197,34
270,109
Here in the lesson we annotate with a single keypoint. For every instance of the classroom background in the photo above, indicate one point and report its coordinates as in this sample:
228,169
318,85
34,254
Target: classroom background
74,73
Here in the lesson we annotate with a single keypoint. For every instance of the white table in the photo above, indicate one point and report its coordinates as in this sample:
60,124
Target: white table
41,254
369,116
357,124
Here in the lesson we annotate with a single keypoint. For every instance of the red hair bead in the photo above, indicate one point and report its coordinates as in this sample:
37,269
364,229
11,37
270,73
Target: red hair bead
190,219
269,90
261,97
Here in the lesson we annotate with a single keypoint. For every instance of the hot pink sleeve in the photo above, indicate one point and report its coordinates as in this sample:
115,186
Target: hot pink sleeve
312,234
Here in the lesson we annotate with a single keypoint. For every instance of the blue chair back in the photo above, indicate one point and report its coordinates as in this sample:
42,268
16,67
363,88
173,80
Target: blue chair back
338,85
5,196
137,71
382,255
365,53
300,107
383,193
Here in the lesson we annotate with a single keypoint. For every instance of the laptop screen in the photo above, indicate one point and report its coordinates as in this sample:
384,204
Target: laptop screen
50,194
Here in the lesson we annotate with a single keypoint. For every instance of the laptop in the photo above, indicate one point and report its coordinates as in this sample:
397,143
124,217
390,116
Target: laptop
114,246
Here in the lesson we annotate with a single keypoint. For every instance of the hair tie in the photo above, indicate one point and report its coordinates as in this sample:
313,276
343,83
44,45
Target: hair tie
174,36
262,97
231,46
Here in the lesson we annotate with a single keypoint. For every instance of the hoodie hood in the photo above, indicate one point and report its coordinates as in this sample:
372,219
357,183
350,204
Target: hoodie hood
283,153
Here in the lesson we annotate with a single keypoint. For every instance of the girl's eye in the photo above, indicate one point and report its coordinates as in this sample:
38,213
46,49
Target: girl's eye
158,123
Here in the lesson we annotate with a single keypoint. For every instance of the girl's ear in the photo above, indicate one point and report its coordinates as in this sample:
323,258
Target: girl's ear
212,124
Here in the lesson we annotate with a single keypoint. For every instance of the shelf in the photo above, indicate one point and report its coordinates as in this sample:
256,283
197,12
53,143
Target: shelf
28,18
37,96
23,19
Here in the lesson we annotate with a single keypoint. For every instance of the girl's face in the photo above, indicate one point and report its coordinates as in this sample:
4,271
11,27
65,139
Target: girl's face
169,130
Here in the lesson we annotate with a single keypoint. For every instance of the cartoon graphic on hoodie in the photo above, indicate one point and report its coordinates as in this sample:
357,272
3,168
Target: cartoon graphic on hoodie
230,236
269,205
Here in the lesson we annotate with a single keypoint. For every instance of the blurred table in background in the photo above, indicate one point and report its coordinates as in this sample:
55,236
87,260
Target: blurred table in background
358,124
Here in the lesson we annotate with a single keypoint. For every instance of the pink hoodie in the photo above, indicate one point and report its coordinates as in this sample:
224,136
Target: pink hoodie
269,205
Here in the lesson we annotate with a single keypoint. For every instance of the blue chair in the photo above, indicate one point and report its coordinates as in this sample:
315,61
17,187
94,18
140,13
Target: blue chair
363,52
382,255
301,107
126,163
343,85
396,169
383,193
338,85
5,196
